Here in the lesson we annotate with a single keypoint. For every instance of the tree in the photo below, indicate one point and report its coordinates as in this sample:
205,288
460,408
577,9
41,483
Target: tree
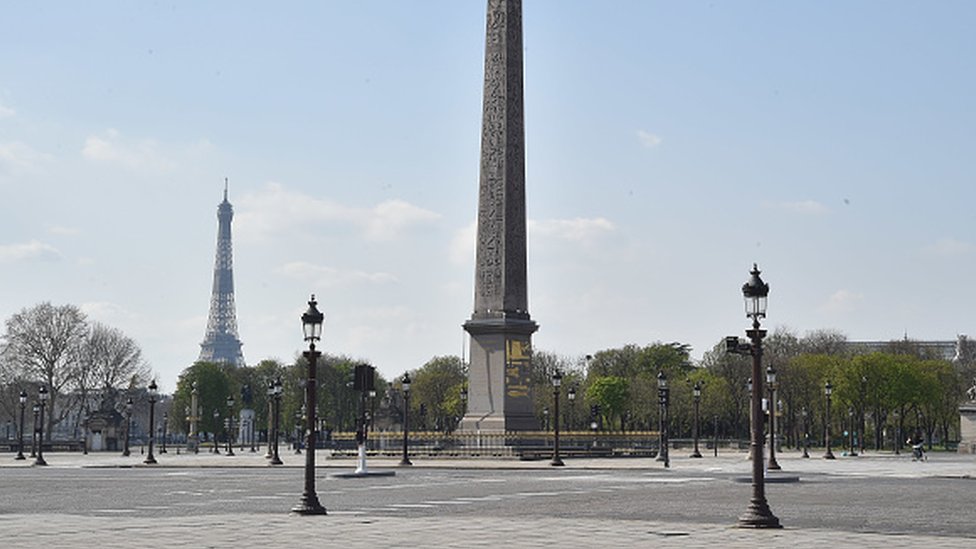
610,393
436,389
110,362
45,341
213,388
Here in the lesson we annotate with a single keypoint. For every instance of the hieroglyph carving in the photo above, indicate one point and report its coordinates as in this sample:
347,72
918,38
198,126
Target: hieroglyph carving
500,286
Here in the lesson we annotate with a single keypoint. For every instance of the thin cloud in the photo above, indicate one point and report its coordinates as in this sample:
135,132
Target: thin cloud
6,112
647,139
29,251
63,231
322,276
462,246
805,207
17,157
950,247
842,301
275,210
112,148
580,229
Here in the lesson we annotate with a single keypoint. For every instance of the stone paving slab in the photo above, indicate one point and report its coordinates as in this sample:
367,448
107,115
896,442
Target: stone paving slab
353,531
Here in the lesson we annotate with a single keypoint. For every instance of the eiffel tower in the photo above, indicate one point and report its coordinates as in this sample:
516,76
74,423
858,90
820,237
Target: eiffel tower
222,344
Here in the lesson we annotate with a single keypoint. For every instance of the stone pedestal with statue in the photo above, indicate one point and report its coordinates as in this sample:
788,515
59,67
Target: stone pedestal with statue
967,423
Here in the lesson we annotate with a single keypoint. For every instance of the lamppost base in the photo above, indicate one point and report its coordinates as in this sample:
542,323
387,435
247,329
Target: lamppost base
829,455
230,453
20,457
759,516
40,461
405,462
773,465
126,453
150,460
309,506
696,454
557,462
275,460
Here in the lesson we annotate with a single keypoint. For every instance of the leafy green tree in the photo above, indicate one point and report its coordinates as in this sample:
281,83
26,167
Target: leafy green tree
435,391
214,385
610,393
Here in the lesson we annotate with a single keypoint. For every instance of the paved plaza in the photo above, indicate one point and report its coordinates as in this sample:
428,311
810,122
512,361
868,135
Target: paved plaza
877,500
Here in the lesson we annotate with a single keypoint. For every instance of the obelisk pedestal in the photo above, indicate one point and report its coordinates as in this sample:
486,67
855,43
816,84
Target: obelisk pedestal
499,389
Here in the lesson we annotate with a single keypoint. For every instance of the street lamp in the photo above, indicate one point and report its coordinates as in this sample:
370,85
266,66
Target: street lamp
897,432
42,397
771,380
128,426
828,389
557,381
571,395
20,445
270,394
230,425
754,292
312,325
663,395
277,389
696,392
405,384
806,433
216,421
152,421
36,408
850,431
162,448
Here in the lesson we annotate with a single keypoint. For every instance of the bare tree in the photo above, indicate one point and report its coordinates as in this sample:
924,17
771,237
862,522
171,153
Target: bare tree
44,341
110,362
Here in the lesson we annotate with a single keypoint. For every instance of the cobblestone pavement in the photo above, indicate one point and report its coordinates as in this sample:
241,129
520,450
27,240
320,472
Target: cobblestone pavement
356,529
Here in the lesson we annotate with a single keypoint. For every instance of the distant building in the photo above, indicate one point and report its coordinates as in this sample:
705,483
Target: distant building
959,350
221,343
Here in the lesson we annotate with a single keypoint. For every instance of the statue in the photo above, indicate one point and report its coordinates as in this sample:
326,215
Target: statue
972,391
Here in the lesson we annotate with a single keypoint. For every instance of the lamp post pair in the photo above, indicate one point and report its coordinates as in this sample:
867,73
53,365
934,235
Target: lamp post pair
755,292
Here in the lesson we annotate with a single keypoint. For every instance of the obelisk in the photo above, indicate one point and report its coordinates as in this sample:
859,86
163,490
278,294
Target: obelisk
499,389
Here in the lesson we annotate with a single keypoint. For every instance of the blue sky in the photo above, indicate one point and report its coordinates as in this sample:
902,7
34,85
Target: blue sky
669,146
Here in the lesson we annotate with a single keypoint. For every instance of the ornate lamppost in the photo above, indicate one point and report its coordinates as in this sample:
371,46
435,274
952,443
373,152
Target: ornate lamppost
571,396
20,436
771,381
755,291
405,384
128,427
828,389
276,390
42,399
150,459
312,324
557,381
194,418
216,421
36,408
162,447
850,432
897,432
696,392
806,432
230,425
270,394
664,397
